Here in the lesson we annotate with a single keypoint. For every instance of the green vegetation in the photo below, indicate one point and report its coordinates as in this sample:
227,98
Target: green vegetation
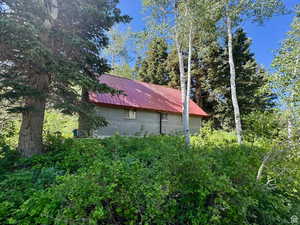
150,180
59,123
210,84
286,79
7,128
56,123
50,50
153,68
51,55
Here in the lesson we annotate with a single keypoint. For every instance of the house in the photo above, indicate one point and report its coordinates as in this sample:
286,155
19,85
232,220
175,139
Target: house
143,109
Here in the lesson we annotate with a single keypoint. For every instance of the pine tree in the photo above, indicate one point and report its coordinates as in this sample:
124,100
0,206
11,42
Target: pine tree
234,12
49,48
251,81
172,68
153,67
204,69
211,85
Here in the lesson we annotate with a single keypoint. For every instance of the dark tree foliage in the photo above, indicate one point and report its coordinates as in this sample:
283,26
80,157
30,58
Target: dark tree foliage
211,80
253,92
203,71
48,50
153,68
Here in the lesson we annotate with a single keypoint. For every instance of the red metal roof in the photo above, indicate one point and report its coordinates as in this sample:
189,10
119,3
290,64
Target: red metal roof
141,95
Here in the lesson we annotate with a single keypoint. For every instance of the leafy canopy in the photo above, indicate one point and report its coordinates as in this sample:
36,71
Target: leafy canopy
59,38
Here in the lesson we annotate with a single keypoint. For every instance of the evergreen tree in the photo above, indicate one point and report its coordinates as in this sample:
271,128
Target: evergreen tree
49,48
211,85
153,67
203,70
251,81
234,12
172,68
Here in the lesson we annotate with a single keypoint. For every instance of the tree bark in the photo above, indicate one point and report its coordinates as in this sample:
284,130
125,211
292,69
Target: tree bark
183,91
198,96
188,89
237,116
263,164
291,108
83,123
289,130
31,131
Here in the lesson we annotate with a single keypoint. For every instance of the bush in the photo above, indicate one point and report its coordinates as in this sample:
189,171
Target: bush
57,122
7,132
151,180
265,125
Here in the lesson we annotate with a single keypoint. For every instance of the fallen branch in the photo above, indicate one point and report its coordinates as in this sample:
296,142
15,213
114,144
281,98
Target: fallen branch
266,159
263,164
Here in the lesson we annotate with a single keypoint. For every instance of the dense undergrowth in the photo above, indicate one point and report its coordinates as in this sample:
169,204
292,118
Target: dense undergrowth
151,180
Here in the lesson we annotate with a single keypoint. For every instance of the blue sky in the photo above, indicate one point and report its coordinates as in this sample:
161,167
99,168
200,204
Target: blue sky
265,39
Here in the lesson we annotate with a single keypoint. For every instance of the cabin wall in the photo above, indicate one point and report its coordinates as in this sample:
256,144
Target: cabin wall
146,122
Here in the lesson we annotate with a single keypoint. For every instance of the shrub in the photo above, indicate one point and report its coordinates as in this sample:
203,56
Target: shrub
151,180
57,122
7,132
265,125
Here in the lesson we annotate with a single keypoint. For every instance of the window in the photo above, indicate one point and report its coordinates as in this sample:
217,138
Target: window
131,114
164,116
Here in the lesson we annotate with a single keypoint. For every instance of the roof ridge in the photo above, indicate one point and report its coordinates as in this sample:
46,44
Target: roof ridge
138,81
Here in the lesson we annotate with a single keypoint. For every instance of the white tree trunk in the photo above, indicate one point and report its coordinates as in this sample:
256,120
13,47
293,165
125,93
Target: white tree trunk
188,89
290,129
291,110
236,108
183,86
262,166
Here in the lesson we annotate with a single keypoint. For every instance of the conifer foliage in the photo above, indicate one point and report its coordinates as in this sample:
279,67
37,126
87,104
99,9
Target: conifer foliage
153,67
49,48
210,80
253,92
